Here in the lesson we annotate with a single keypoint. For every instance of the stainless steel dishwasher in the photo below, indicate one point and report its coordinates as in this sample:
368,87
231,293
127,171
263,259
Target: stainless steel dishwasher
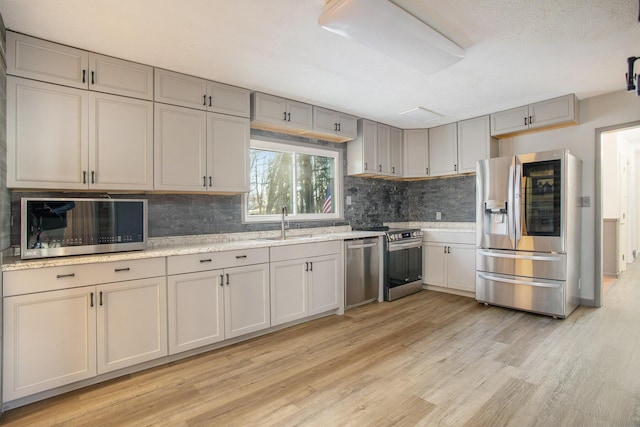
362,278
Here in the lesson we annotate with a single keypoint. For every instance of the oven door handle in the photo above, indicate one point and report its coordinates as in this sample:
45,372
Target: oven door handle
400,246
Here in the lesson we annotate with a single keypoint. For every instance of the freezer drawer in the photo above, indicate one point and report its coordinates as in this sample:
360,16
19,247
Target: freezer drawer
529,264
524,293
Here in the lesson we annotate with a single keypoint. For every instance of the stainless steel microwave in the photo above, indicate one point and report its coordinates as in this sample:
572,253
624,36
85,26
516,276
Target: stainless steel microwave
60,227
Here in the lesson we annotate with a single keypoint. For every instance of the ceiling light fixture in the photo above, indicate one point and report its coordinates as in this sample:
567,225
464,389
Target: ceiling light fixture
421,115
384,27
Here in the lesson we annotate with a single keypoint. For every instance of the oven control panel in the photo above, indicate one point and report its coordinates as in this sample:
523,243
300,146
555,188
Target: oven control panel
394,236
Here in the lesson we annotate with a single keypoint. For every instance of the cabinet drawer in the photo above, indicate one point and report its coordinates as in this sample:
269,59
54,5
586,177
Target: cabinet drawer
305,250
71,276
468,238
180,264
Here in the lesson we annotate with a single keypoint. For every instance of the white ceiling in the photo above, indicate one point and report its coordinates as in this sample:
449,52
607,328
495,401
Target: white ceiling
517,51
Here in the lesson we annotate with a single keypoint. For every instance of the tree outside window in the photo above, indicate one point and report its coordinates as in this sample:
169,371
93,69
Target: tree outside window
302,179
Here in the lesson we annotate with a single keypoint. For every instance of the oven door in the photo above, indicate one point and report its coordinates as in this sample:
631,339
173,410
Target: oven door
404,263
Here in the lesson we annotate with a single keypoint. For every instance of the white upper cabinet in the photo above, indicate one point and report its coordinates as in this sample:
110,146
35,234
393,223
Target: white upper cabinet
47,135
180,148
383,150
443,151
416,153
361,152
334,126
65,138
112,75
274,113
42,60
475,143
395,148
121,143
53,63
199,151
554,112
193,92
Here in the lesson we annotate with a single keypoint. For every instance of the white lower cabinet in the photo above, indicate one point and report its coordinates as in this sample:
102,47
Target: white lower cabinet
449,260
131,323
59,337
196,310
217,296
49,341
306,280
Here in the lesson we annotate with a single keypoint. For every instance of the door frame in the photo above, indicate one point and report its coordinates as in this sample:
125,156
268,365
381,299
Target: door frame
597,301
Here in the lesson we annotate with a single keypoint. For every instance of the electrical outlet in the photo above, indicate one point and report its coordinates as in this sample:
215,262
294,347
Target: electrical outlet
348,200
438,216
585,202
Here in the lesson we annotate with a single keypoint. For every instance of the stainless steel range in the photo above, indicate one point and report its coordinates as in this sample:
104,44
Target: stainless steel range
403,263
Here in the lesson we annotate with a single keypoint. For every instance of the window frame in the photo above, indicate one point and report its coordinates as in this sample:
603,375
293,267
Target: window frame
300,148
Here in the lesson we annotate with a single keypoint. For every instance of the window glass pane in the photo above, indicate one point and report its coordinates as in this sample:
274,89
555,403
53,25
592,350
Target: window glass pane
314,184
271,182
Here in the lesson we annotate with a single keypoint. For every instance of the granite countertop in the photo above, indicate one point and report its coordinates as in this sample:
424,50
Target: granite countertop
185,245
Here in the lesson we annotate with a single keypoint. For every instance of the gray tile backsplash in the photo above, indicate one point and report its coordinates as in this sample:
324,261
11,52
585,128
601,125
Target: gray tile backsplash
373,202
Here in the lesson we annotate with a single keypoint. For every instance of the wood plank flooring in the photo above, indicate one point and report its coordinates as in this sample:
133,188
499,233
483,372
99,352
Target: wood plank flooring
427,359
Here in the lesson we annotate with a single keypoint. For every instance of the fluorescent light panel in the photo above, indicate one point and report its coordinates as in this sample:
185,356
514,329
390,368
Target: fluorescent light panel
420,114
384,27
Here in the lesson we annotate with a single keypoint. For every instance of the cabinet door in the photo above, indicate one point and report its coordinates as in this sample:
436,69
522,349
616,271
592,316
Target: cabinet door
268,108
121,143
47,135
50,62
180,148
383,150
299,115
416,153
49,341
552,111
119,77
195,309
180,89
509,121
227,99
289,291
474,143
324,283
347,126
246,300
227,153
461,267
395,148
325,120
132,323
435,264
443,151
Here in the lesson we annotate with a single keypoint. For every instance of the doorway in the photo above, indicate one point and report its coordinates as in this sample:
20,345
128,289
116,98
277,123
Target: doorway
618,164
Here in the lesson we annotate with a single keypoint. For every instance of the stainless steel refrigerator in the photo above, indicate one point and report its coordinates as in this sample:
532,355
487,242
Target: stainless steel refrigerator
528,232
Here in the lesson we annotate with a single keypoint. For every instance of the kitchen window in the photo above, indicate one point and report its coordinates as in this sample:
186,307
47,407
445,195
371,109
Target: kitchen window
306,180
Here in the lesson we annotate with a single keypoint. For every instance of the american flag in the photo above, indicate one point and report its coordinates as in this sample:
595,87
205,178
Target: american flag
326,207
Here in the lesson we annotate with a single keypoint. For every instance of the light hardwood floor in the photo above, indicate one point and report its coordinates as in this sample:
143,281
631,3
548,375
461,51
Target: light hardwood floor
427,359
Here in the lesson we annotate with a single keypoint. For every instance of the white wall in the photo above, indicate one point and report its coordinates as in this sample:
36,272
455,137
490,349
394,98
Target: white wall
597,112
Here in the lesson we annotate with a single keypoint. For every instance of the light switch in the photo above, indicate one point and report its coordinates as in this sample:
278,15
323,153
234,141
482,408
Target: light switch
348,200
438,216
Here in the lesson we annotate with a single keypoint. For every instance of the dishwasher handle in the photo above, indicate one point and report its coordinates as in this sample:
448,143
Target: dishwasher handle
361,246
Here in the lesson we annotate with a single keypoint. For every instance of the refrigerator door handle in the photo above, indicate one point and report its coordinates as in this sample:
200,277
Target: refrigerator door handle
519,282
527,257
511,207
517,202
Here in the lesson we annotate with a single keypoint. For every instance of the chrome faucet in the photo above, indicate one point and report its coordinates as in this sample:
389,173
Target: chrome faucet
284,213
